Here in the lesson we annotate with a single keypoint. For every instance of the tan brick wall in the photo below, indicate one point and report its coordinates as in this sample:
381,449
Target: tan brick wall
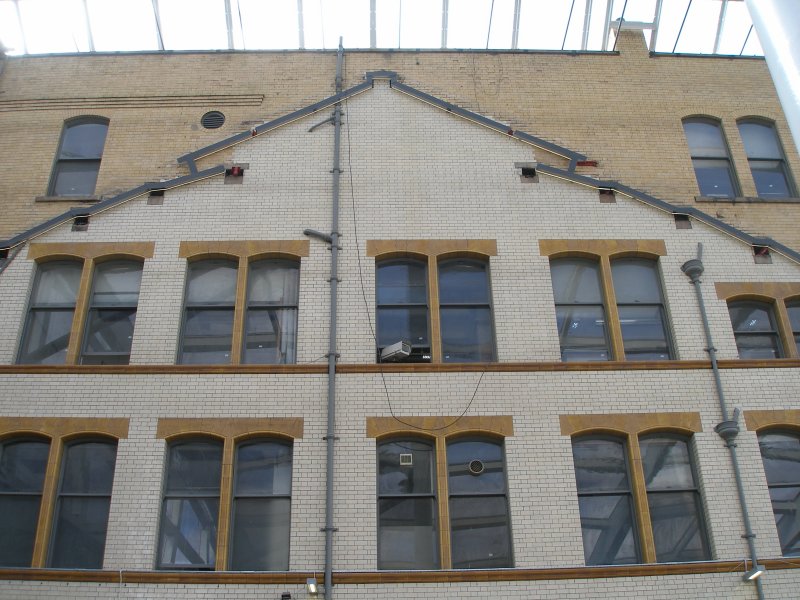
624,110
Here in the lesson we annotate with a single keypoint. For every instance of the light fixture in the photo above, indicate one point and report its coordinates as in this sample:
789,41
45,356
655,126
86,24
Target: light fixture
311,586
754,573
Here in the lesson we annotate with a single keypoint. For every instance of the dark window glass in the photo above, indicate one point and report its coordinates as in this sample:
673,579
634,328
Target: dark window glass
208,319
480,527
710,158
579,309
22,469
793,310
78,160
675,508
261,507
781,455
190,512
755,329
640,307
605,501
271,324
112,313
766,159
81,517
50,313
407,507
465,311
402,311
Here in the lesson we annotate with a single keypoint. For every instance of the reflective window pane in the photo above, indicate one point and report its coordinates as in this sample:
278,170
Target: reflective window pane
463,282
786,507
781,455
22,466
405,467
46,337
600,465
704,139
109,331
677,531
475,467
467,334
270,336
75,178
207,336
78,159
770,178
116,284
755,329
89,468
83,140
194,467
272,283
212,282
403,324
260,534
582,333
607,528
644,334
189,533
758,346
402,283
714,178
407,535
576,281
263,468
666,463
636,281
480,532
57,283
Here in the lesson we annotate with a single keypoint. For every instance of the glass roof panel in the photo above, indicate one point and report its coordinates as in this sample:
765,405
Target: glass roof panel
123,26
193,24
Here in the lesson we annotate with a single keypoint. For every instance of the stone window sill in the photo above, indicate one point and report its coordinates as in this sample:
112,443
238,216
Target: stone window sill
747,200
67,198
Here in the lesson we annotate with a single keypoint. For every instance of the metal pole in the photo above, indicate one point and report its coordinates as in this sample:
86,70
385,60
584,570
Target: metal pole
656,23
607,26
373,37
445,13
301,29
728,428
88,26
515,30
330,436
229,23
157,17
21,28
720,24
776,22
587,19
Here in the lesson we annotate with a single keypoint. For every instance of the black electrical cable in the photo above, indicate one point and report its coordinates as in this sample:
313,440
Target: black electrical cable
366,303
749,31
569,20
621,21
680,31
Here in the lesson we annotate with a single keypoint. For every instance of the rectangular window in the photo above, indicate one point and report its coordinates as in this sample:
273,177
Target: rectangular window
766,159
78,159
710,158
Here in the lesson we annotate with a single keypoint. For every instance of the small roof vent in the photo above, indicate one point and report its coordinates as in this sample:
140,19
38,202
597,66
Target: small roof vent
212,120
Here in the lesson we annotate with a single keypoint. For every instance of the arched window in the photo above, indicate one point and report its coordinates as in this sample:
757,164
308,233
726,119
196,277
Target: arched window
52,306
78,159
465,311
271,324
605,501
710,157
755,329
23,464
780,452
640,308
112,313
402,306
580,312
209,310
407,505
793,310
84,498
190,513
676,513
480,528
261,512
766,159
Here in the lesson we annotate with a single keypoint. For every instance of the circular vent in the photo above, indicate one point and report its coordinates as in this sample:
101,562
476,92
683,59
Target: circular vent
212,120
476,467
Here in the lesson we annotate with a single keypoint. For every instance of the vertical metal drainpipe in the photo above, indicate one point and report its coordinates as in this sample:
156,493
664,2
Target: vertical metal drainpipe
728,428
330,436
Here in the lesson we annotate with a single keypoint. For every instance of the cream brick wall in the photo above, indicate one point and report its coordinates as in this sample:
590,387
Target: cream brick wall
417,173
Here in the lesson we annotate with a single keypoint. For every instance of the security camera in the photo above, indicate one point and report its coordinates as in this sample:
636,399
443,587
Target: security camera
396,352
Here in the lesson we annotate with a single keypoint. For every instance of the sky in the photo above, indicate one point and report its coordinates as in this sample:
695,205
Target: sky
58,26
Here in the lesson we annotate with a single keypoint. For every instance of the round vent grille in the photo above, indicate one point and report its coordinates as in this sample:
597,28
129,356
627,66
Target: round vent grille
476,467
212,120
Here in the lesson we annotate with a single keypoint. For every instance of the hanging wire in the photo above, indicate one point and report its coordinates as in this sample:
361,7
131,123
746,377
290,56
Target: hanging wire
488,33
366,302
749,31
680,31
619,29
399,21
569,20
241,24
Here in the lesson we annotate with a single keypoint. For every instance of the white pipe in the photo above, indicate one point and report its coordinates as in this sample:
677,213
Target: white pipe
777,23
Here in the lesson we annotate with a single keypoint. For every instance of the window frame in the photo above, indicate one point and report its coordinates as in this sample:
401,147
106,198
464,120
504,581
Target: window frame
230,433
59,433
440,431
791,188
726,157
631,427
58,160
773,333
89,255
606,253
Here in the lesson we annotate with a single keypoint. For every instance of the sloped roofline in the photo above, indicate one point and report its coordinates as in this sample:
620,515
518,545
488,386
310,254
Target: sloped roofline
568,174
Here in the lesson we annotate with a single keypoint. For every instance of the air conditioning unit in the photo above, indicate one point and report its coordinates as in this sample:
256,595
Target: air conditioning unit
396,352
